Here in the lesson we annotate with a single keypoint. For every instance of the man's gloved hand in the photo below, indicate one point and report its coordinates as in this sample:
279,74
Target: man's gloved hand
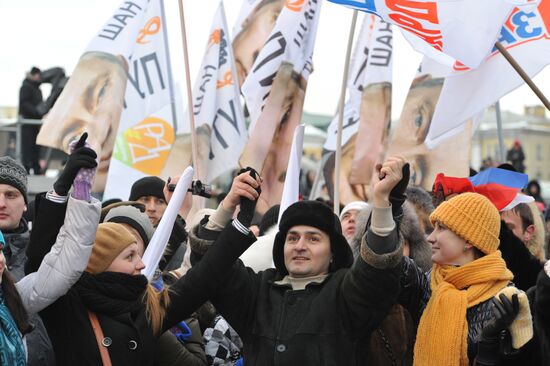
398,195
81,157
248,206
505,312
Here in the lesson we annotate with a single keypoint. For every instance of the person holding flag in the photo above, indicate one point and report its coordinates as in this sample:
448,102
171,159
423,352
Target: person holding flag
312,308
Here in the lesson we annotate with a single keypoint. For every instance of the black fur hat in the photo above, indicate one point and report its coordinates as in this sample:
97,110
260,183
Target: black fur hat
317,215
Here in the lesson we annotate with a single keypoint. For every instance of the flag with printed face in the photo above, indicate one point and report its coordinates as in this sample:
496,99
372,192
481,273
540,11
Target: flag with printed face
220,126
526,36
407,137
275,75
447,31
119,93
367,113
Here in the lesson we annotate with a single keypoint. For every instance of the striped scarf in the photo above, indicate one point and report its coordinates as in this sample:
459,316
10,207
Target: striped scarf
12,351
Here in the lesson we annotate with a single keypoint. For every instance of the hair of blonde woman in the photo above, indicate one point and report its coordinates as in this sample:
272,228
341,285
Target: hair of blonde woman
156,303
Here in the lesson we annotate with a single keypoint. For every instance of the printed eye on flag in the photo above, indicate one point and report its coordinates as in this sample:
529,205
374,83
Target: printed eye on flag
467,92
366,113
409,133
219,120
93,99
274,86
447,31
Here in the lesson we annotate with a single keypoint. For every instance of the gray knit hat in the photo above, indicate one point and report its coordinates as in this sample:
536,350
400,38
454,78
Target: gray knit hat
12,173
135,218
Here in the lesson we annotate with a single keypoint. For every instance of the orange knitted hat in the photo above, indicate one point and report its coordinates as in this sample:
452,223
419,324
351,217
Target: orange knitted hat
472,217
110,240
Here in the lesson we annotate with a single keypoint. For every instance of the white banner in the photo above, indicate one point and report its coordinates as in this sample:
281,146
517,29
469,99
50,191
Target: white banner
291,189
467,92
291,40
216,101
445,30
155,249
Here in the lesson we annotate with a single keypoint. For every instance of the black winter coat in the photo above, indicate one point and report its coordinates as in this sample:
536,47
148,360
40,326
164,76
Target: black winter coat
519,260
67,319
327,323
30,97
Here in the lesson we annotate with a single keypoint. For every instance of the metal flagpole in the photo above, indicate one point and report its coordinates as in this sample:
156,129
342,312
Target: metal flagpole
169,68
341,117
499,130
189,94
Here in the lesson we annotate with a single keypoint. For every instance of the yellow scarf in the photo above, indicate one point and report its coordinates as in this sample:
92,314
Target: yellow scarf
443,330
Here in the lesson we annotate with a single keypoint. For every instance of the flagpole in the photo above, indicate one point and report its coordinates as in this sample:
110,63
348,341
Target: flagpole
169,67
523,74
341,117
189,94
499,130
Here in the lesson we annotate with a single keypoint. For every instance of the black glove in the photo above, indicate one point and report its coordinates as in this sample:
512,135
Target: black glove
398,195
247,206
505,312
81,157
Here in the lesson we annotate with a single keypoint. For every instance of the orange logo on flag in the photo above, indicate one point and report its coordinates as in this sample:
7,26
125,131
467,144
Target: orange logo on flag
227,80
215,37
150,28
294,5
148,144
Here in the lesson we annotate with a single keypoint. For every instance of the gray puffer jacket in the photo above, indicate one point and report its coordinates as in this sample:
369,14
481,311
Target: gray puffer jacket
59,270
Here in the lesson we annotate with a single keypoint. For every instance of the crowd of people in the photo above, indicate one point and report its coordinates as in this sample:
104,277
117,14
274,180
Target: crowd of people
408,278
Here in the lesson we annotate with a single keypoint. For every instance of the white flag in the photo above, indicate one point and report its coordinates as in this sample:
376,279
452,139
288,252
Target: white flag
145,134
216,101
291,40
461,30
291,190
466,93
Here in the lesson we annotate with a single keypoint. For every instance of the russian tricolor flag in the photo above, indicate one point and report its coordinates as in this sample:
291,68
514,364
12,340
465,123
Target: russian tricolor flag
500,186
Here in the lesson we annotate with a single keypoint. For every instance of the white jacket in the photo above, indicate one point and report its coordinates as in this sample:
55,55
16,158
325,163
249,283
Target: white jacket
67,259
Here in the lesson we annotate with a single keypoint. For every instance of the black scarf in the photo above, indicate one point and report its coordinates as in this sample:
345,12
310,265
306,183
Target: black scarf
112,293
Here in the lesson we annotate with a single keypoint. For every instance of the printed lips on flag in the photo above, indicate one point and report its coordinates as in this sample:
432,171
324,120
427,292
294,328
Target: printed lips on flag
447,31
502,187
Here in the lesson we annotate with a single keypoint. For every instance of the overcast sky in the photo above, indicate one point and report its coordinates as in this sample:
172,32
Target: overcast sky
56,32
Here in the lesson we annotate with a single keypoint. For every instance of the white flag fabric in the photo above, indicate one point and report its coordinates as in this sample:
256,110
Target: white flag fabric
146,133
371,63
291,40
463,30
94,98
216,101
155,249
291,189
367,113
465,93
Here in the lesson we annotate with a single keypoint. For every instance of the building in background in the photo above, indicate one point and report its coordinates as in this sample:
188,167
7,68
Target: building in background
531,129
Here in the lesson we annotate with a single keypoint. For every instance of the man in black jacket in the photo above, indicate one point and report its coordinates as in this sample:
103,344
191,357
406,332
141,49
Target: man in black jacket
31,107
316,307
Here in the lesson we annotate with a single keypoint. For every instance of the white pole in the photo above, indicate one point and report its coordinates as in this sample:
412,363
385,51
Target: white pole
189,94
341,117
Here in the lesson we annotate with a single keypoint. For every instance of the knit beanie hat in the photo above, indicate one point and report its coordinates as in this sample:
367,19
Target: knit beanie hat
126,214
472,217
148,186
317,215
355,205
110,240
12,173
521,329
